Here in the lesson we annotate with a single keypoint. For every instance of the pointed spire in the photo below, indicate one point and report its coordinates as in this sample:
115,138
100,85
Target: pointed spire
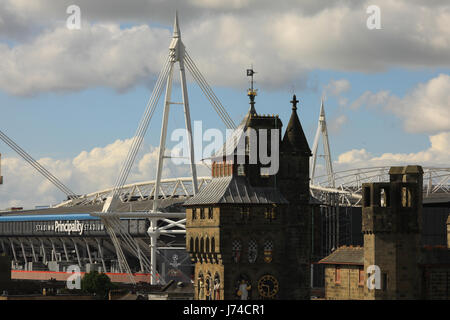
176,28
294,139
322,110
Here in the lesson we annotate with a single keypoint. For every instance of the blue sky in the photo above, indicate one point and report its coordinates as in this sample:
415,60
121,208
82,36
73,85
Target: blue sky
61,125
72,98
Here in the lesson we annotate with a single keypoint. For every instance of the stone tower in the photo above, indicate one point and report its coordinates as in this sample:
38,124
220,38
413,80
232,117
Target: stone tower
294,185
242,233
391,223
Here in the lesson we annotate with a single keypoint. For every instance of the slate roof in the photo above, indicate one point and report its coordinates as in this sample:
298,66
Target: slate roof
345,255
235,190
168,205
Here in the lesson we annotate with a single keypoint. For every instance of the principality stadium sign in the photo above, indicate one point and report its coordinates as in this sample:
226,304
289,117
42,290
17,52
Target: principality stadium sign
69,227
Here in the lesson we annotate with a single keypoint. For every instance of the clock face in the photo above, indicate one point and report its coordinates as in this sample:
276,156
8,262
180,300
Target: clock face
268,286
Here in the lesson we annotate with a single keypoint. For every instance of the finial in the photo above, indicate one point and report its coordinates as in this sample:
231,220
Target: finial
251,92
176,28
322,110
294,102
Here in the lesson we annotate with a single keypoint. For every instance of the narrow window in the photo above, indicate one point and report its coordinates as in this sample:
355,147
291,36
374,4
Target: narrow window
202,213
337,275
210,213
406,197
240,170
366,196
252,251
361,277
384,197
196,245
385,282
268,251
236,250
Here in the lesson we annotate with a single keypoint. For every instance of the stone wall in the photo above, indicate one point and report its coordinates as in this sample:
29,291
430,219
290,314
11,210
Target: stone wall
348,288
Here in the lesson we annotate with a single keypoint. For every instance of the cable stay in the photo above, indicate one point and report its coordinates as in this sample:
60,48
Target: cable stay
50,177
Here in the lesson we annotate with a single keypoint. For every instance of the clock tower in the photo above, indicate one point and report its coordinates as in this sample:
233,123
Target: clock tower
242,232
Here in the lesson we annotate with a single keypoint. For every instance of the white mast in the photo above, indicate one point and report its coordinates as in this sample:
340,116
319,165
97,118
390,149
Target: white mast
322,131
176,54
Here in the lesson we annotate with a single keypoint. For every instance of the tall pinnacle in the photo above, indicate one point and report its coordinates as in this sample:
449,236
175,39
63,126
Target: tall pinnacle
176,28
176,48
322,111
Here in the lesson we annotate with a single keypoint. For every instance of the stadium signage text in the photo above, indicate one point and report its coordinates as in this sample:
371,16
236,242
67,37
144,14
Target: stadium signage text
69,227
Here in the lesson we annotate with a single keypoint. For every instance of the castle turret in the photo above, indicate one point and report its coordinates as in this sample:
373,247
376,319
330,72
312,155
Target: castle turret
294,157
294,185
391,219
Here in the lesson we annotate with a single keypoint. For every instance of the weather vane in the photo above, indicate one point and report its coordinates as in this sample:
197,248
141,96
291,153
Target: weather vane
251,91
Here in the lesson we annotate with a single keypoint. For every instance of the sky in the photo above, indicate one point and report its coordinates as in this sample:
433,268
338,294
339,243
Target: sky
73,98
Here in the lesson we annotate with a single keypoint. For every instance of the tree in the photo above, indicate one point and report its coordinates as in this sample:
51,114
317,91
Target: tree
97,283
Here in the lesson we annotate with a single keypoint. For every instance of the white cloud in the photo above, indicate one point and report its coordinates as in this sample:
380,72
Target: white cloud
335,124
337,87
98,55
89,171
284,41
426,108
438,154
370,99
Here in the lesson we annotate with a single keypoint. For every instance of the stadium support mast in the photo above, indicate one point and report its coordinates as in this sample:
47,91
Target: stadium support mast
176,54
322,131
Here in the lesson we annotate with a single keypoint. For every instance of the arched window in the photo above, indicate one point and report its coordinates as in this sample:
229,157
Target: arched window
252,251
207,244
202,245
202,213
268,251
213,245
210,213
196,245
236,250
191,244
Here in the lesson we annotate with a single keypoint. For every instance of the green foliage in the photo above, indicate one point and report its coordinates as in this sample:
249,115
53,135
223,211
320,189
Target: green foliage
97,283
